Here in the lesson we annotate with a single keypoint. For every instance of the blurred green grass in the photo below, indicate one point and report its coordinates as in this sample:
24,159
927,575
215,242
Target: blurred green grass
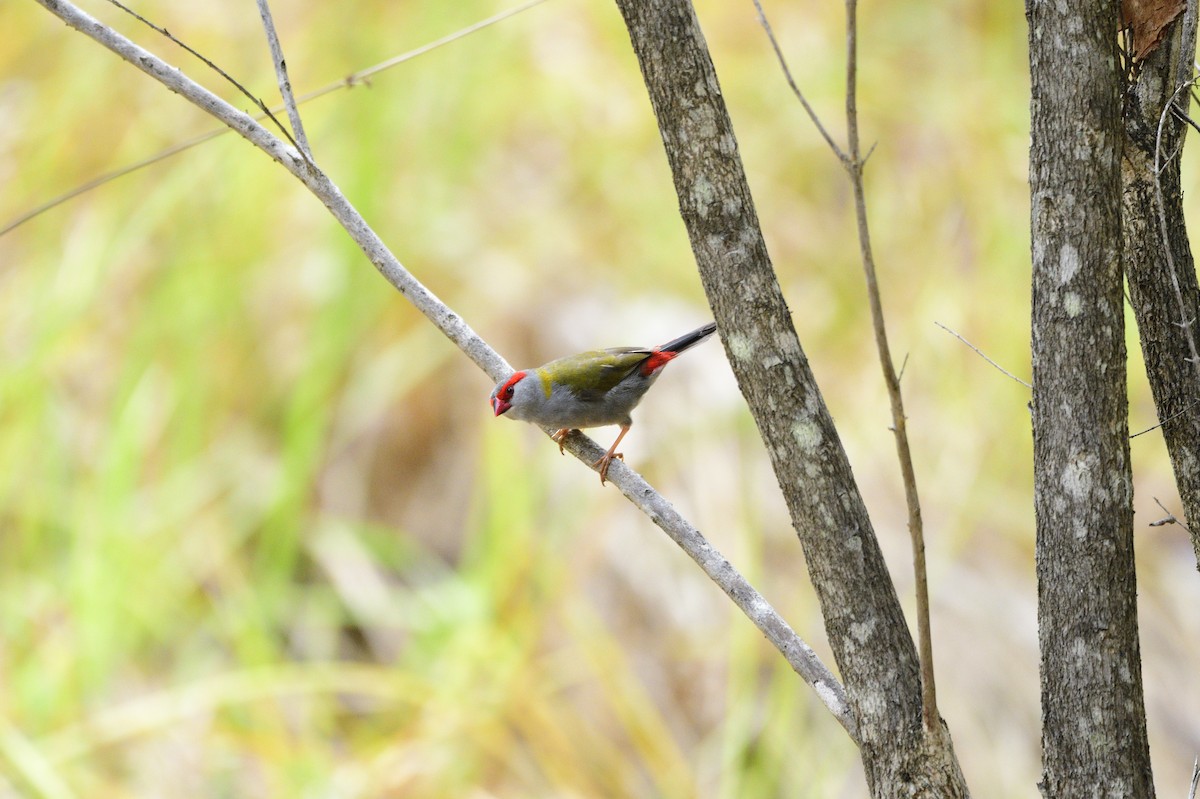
260,535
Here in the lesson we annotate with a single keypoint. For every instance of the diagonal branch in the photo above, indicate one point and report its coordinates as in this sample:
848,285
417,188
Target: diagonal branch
981,354
353,79
798,654
787,74
209,63
281,76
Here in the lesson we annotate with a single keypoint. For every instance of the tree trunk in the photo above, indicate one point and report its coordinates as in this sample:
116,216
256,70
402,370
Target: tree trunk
1093,720
1162,283
866,627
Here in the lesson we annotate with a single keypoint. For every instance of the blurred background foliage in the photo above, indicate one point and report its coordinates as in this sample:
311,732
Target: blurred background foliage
260,534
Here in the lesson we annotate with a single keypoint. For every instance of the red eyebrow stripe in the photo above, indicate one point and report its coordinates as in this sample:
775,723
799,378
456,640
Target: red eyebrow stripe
516,378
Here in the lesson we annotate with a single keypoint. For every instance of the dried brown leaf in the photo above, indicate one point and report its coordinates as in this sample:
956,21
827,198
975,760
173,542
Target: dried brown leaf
1148,21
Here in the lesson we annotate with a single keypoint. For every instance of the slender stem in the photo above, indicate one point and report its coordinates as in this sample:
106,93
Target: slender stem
981,354
853,160
1170,418
362,76
354,79
787,74
281,76
211,65
854,166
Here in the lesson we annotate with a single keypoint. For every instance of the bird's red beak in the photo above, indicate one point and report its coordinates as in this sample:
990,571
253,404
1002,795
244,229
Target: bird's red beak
503,395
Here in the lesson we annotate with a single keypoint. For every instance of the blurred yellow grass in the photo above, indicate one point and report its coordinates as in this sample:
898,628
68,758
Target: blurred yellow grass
260,534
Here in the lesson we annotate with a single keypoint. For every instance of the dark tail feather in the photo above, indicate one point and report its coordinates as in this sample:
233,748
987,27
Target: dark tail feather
689,339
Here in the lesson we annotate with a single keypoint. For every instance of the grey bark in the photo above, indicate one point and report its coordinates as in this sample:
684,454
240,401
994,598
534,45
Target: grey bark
866,628
1162,277
1093,718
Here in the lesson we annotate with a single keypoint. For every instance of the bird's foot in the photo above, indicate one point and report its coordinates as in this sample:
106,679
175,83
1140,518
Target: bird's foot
561,436
603,463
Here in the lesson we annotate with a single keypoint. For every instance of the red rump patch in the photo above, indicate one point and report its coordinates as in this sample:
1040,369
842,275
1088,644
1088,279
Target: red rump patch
657,360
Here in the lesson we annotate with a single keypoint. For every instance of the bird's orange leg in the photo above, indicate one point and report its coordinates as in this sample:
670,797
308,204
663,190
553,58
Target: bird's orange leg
561,436
607,457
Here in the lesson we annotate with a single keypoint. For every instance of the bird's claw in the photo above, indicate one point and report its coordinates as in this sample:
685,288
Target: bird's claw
604,462
559,437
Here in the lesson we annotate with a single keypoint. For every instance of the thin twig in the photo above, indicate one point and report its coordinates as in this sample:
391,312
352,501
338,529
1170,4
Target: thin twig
351,80
853,161
787,73
1167,161
281,77
1170,519
1182,116
986,358
1175,415
1195,778
362,76
798,654
916,526
108,177
163,31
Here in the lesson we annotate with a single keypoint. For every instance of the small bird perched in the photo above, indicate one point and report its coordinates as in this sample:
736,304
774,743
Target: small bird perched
591,389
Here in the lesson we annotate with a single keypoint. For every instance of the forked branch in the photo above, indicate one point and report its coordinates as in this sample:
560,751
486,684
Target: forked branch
281,76
359,78
853,160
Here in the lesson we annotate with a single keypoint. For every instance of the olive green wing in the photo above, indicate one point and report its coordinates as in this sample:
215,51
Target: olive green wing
595,373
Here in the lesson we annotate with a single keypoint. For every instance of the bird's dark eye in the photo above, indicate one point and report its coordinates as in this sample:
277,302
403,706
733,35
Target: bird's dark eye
506,391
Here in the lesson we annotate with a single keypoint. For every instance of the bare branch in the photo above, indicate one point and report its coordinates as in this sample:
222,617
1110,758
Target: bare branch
354,79
361,77
853,160
787,73
281,76
108,177
798,654
1175,415
986,358
1170,518
916,526
257,102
